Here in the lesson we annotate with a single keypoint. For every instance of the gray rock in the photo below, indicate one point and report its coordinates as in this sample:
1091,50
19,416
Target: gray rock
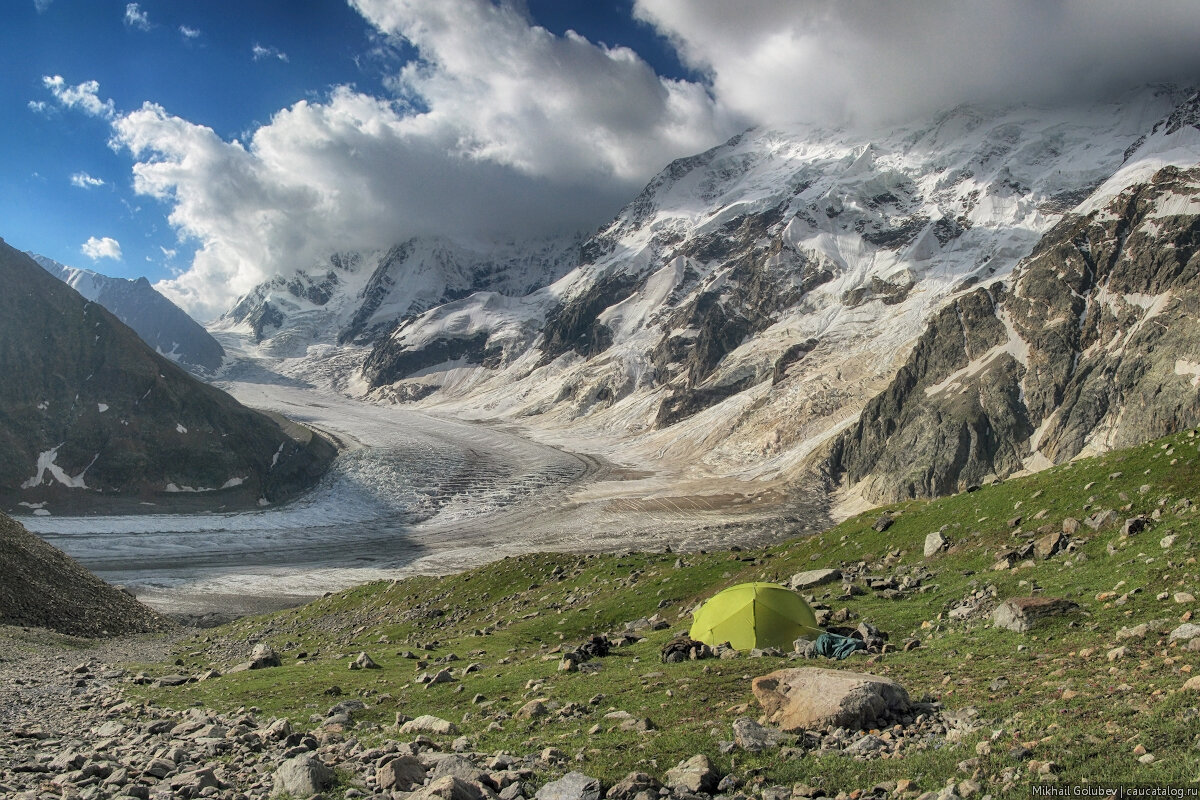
427,723
1022,613
363,661
572,786
755,738
694,775
302,776
814,578
263,656
632,785
866,745
459,767
1048,545
1135,525
1188,630
935,543
400,774
449,788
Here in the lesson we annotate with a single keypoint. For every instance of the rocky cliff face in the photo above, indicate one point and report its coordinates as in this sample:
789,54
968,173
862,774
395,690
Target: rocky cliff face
1094,343
91,419
745,308
161,324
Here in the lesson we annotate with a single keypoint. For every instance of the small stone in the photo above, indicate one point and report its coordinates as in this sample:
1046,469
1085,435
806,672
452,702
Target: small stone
363,661
1184,597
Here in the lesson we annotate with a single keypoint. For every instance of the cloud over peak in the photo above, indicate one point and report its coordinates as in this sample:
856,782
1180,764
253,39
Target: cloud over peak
833,60
105,247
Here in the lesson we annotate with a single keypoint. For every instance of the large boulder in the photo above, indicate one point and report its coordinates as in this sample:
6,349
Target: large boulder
400,774
814,698
813,578
427,723
696,774
302,776
1022,613
572,786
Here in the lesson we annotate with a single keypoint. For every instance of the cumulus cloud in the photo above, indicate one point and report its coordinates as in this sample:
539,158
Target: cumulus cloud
189,33
782,60
42,5
85,181
97,249
136,18
502,130
260,52
84,97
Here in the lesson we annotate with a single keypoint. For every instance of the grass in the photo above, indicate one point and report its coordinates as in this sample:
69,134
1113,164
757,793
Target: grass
1054,690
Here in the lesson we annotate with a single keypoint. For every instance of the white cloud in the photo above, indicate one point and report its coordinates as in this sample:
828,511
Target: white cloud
85,181
39,107
42,5
189,33
136,18
168,254
777,60
260,52
503,130
83,97
96,249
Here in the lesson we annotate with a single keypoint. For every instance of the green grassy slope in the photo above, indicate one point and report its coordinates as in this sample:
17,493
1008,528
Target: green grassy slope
1053,690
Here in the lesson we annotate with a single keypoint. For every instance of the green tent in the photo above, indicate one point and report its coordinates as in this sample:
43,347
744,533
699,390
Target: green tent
754,615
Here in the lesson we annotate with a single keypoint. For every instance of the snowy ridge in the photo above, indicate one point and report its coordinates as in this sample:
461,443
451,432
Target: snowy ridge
159,322
355,297
749,302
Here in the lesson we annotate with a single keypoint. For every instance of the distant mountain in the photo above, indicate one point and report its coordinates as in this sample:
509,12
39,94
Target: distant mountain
357,297
91,419
163,325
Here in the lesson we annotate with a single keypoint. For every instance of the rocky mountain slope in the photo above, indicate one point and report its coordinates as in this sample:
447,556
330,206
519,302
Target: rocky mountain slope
163,325
744,309
1093,343
42,587
92,419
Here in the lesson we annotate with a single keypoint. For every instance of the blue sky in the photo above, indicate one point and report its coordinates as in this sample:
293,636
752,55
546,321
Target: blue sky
211,144
226,65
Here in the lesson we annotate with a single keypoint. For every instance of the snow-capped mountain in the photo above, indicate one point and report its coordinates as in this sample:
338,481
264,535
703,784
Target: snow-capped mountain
742,310
740,314
161,324
356,297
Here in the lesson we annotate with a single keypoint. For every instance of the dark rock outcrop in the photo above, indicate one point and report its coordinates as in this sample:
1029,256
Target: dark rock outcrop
41,586
1095,344
91,419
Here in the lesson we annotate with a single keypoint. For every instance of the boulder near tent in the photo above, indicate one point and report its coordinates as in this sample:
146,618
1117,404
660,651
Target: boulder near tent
754,615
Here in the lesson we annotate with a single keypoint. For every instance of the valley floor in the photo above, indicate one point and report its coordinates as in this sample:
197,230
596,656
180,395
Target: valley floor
415,493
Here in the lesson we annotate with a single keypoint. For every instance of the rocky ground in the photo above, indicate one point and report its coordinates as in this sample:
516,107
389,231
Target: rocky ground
68,731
